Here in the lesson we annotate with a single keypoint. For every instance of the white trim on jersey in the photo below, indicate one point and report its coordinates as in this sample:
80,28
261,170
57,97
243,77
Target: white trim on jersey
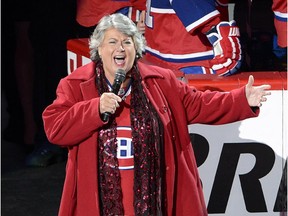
281,15
162,11
127,148
180,56
130,12
126,167
202,20
124,128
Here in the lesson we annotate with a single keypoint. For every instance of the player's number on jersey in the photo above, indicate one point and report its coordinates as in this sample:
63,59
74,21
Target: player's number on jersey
148,18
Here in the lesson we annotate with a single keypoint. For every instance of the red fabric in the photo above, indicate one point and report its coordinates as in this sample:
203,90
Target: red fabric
169,36
127,175
280,6
73,119
222,7
89,12
139,4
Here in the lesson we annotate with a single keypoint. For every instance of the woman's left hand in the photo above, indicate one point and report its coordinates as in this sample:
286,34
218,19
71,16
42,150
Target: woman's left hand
256,95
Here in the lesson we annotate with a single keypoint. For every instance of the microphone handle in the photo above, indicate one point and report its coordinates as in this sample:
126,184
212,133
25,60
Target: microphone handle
115,90
106,116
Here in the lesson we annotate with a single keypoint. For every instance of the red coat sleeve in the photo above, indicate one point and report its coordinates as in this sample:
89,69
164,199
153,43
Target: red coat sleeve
221,107
70,119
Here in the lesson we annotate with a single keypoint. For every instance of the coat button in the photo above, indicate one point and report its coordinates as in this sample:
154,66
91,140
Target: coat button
164,109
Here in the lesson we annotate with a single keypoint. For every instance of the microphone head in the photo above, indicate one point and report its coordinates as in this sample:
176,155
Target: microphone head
120,75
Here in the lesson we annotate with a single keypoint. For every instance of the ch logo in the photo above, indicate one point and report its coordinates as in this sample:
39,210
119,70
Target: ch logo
125,150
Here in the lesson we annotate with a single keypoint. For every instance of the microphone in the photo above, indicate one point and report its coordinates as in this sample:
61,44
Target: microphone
118,80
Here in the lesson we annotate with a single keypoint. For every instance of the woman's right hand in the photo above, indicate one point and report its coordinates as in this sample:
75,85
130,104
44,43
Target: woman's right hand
109,102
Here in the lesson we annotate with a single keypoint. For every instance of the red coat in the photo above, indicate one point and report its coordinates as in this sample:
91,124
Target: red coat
73,119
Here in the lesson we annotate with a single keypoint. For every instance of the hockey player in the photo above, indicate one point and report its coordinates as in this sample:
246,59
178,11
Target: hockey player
189,35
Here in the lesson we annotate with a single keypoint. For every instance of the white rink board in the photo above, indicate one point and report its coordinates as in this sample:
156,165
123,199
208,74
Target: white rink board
269,128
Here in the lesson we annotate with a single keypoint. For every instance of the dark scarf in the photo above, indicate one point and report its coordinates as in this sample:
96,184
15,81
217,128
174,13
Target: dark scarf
148,148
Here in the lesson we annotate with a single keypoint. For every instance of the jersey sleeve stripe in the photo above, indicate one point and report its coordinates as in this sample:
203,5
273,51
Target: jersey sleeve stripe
202,20
162,10
281,16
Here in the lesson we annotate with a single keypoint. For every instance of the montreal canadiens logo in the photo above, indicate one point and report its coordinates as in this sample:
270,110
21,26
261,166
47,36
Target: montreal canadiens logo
125,151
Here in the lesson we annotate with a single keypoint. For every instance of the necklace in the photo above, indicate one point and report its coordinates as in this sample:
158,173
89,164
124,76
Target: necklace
123,92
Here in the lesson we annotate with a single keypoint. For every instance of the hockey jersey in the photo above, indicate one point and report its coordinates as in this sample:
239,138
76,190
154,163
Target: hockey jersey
89,12
279,8
175,32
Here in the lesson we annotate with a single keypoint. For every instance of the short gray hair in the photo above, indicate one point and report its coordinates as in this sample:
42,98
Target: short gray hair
123,24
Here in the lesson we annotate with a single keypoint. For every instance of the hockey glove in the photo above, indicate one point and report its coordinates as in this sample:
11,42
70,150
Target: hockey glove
227,49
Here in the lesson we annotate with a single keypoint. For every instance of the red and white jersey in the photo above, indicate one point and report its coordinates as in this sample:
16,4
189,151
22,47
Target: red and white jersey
125,153
89,12
175,32
279,8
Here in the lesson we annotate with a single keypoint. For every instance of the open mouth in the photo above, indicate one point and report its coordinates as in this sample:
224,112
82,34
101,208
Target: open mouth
119,60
